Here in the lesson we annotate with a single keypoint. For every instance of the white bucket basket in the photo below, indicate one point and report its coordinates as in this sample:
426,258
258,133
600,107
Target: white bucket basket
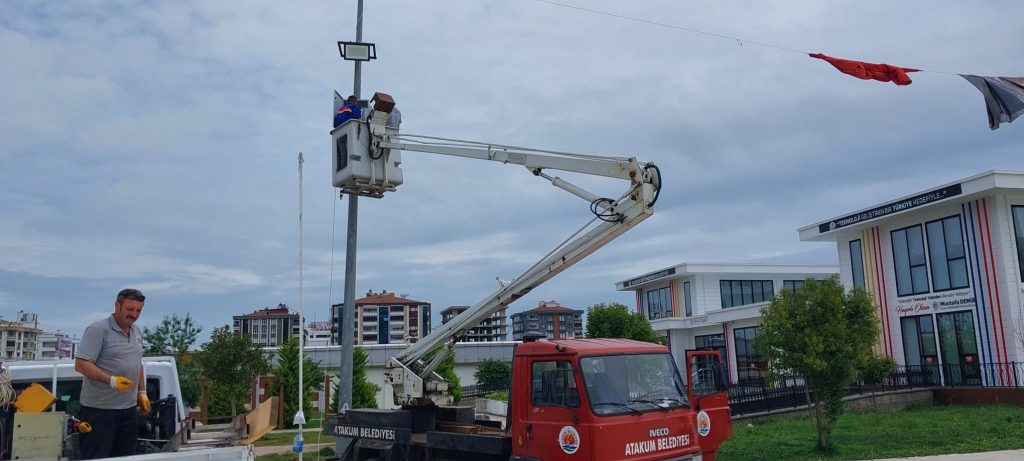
357,170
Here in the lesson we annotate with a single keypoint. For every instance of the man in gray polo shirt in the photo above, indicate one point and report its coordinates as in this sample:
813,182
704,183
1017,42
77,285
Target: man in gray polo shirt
114,391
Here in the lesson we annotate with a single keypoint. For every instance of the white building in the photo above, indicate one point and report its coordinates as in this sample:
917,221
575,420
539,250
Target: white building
319,334
945,268
56,346
716,307
18,337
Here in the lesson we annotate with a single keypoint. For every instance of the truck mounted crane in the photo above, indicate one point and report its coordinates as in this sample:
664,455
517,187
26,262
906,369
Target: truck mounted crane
639,407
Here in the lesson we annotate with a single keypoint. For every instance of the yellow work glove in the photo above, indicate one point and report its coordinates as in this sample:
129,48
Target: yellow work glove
143,403
121,383
84,427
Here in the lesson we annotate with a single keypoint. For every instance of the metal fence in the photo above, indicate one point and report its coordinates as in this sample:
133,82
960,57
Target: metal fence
481,390
764,394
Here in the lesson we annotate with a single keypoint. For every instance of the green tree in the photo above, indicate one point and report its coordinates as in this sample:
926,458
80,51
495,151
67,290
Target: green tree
189,376
286,379
825,334
173,336
447,371
231,361
494,373
220,400
364,393
613,320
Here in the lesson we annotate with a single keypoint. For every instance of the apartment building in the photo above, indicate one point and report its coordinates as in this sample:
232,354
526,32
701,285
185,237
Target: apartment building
493,328
550,318
18,337
270,326
387,318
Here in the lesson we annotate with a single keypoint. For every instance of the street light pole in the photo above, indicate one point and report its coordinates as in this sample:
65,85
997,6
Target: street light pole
348,313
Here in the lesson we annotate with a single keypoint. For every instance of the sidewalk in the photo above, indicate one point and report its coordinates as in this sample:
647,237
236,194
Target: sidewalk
1012,455
308,449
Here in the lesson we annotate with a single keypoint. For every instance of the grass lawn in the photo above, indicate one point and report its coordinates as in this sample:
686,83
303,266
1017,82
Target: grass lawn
913,432
309,437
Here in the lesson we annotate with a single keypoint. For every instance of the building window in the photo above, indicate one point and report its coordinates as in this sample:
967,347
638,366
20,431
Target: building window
743,292
687,300
908,257
792,285
750,367
857,264
1018,232
659,304
713,343
946,250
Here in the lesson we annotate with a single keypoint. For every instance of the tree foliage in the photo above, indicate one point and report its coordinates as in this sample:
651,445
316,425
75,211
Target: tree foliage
825,334
494,373
219,400
447,371
286,379
189,377
231,361
613,320
364,393
173,336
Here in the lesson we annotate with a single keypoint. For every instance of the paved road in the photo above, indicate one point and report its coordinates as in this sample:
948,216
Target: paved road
1012,455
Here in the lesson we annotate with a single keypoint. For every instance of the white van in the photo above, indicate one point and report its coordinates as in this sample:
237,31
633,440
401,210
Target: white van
161,382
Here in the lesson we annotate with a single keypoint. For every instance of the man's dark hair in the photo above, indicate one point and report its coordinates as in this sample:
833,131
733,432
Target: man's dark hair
352,98
130,293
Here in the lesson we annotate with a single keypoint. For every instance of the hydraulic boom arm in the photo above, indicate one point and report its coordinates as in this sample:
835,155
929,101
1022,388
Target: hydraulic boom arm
415,381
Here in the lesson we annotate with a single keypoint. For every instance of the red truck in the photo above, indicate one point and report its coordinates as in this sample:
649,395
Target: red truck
571,399
577,399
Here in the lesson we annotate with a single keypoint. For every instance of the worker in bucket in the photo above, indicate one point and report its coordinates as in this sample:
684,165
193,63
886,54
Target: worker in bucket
114,391
348,111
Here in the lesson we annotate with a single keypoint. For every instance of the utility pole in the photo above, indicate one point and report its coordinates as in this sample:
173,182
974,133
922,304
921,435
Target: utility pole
348,312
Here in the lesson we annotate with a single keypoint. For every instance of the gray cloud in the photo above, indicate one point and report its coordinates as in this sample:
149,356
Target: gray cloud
155,144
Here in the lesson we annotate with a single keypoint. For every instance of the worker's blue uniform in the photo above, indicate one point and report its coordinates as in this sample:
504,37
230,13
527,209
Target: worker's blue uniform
347,112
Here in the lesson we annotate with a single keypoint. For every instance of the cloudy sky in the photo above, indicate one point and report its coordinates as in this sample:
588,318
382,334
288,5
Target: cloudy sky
154,144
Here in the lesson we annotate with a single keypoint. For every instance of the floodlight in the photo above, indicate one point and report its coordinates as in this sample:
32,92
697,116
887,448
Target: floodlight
357,51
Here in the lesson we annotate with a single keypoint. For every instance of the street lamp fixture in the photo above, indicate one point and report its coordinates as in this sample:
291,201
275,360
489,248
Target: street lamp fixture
357,51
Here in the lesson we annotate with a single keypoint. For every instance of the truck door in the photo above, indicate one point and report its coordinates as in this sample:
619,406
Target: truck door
552,429
709,396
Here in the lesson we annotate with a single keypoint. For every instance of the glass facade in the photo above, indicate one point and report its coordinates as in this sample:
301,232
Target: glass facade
946,250
713,343
743,292
919,351
909,259
1018,233
659,303
750,366
959,348
687,299
792,285
857,263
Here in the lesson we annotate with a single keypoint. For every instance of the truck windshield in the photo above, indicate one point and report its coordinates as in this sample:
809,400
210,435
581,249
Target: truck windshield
618,384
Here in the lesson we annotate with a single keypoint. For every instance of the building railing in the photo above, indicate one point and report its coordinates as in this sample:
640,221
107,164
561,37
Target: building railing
773,393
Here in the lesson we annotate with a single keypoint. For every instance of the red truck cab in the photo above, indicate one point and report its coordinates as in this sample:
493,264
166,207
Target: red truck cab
615,399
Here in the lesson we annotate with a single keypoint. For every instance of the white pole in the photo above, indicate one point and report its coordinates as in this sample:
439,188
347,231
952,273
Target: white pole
300,418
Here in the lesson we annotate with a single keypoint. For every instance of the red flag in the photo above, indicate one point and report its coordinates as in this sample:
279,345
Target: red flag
869,71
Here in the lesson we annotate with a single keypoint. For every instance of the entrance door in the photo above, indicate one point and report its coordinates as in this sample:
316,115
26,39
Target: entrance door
919,350
709,397
959,349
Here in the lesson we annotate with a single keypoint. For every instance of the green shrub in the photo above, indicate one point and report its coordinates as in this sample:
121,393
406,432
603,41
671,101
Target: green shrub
498,395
